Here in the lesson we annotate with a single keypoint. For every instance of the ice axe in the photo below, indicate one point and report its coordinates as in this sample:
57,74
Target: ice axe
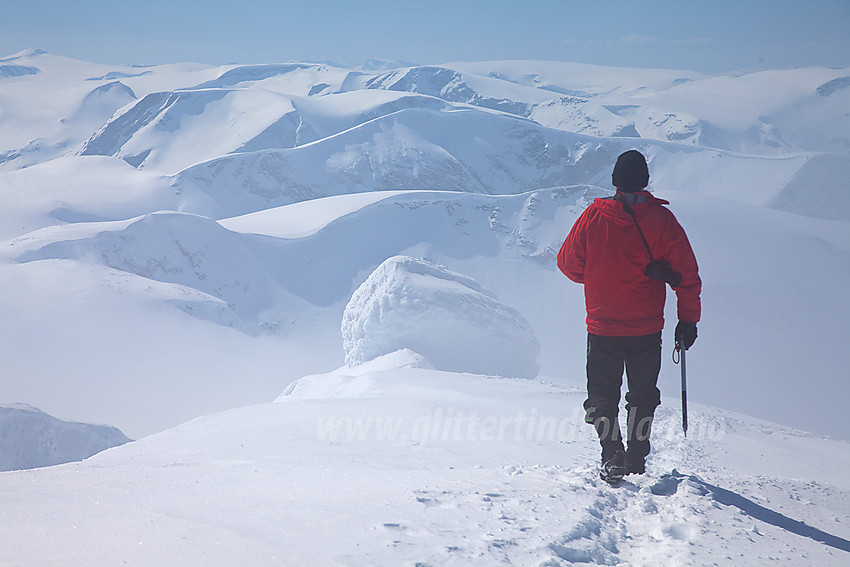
681,352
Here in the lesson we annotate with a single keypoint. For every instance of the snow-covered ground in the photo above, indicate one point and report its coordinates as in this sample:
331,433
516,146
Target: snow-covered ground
208,246
397,464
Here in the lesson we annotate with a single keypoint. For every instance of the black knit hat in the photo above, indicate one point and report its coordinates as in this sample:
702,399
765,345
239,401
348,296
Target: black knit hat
630,172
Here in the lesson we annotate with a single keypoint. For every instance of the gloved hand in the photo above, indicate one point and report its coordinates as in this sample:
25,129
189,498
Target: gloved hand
686,334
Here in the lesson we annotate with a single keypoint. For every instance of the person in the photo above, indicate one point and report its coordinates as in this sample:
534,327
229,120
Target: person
625,249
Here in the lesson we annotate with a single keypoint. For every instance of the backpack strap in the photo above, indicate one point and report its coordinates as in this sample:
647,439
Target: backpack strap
631,213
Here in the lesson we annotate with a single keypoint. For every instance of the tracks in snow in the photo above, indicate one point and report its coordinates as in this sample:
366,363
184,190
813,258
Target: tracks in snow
545,517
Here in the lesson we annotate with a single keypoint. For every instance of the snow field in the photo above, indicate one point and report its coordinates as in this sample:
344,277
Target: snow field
260,484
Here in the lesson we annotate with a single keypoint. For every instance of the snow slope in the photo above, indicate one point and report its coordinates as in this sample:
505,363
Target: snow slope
395,464
79,189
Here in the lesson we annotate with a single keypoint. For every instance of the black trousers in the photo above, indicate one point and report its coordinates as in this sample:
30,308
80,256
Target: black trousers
606,358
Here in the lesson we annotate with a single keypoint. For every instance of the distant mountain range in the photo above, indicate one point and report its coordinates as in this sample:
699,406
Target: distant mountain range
167,205
243,138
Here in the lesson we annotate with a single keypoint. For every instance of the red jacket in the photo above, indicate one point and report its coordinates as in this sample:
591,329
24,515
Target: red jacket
605,252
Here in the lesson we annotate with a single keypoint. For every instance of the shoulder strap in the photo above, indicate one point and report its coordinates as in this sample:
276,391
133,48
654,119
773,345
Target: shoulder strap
631,213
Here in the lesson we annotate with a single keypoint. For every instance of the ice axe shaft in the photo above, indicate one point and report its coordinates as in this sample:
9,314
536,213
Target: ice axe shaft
684,394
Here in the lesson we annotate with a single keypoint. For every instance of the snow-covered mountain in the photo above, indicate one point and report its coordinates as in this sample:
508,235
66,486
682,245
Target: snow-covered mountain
208,185
30,438
267,135
185,239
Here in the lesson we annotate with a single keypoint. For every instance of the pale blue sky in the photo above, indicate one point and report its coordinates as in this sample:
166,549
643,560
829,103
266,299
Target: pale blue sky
703,35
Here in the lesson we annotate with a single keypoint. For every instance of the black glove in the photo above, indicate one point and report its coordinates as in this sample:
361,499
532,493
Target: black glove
686,334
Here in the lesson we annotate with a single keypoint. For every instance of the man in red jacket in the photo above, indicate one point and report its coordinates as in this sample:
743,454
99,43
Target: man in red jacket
625,250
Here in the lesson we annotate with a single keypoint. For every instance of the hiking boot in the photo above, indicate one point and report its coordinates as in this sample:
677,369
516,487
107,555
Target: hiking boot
614,469
635,464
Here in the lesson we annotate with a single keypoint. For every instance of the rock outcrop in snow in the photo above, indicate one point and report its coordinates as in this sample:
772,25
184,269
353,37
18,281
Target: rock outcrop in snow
30,438
446,317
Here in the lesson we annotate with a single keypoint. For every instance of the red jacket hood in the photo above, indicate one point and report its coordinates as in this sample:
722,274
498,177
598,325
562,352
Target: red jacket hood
613,209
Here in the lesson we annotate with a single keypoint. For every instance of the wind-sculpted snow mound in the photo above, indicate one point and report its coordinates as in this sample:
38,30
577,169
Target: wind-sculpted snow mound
30,438
446,317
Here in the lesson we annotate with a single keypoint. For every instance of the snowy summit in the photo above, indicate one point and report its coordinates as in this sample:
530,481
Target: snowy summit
324,301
